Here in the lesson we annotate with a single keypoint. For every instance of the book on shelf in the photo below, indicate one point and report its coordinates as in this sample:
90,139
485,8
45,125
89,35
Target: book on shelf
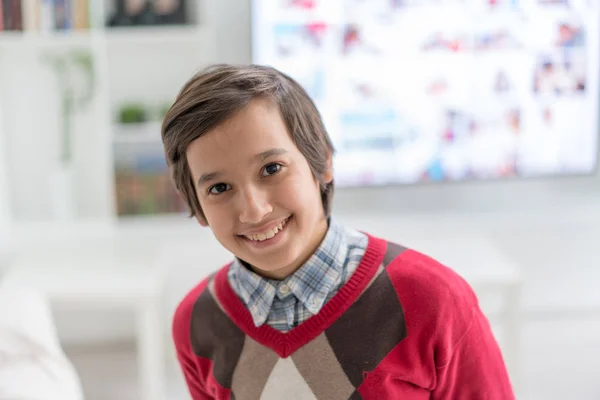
11,13
143,184
45,15
69,15
128,13
146,193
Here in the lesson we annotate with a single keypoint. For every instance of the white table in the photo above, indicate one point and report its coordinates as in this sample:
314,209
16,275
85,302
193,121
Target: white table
28,329
103,272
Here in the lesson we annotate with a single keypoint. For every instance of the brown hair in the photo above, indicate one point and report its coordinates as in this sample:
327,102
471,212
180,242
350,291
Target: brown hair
218,92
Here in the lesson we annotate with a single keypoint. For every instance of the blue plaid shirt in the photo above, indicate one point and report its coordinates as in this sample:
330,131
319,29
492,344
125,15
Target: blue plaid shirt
287,303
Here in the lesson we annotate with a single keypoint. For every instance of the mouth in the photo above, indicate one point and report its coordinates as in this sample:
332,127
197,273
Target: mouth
268,234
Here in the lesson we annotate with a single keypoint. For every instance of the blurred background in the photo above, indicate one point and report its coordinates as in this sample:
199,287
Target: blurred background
467,129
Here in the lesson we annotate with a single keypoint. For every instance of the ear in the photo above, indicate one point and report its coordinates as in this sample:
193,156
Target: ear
327,176
201,220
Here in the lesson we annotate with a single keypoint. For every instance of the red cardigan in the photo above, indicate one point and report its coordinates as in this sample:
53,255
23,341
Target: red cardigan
403,327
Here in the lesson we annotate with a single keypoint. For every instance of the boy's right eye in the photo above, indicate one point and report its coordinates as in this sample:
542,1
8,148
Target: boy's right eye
219,188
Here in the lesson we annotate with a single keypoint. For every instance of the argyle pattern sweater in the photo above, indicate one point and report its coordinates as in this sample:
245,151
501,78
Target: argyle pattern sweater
402,327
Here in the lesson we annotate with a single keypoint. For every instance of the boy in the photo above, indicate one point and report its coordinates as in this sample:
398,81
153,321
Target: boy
308,309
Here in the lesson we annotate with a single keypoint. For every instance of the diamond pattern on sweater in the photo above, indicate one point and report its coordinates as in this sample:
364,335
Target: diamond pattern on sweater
252,372
286,382
216,337
368,330
355,396
319,366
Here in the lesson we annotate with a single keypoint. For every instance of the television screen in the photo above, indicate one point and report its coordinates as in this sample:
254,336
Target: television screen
443,90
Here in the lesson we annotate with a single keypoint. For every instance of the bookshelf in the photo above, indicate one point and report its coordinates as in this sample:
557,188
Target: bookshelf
143,65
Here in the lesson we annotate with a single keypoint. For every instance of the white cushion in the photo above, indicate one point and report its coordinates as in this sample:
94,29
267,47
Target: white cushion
32,363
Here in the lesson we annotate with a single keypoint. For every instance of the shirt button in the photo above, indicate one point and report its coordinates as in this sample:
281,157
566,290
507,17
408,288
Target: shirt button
314,307
284,289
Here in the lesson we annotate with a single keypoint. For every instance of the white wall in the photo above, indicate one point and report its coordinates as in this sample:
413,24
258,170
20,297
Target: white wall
232,29
5,211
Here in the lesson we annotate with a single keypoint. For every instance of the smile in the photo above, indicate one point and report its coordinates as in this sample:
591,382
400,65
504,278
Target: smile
268,234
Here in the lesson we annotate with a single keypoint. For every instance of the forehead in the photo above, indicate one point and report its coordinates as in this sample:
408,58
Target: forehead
252,130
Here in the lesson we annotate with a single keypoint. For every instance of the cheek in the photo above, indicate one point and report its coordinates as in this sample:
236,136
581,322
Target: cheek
299,193
219,218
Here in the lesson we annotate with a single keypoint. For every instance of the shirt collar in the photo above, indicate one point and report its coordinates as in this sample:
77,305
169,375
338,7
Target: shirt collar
310,284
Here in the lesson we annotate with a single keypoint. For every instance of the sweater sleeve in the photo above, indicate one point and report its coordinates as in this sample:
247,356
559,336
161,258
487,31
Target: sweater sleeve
450,346
193,367
475,368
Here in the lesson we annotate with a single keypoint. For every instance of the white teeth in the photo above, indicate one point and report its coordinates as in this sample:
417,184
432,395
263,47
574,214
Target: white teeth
272,232
269,234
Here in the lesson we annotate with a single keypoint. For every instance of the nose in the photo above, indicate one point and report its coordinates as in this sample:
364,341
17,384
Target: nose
254,205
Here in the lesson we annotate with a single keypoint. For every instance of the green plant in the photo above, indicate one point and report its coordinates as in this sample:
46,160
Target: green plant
132,113
75,94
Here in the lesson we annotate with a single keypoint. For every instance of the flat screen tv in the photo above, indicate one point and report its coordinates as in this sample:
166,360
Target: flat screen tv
443,90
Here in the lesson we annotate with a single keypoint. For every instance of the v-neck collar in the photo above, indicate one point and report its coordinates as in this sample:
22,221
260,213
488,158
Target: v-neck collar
286,343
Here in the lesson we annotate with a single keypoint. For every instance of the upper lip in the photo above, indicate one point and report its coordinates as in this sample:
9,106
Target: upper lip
264,227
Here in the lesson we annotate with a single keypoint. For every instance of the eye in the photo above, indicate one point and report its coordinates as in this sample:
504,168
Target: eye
219,188
271,169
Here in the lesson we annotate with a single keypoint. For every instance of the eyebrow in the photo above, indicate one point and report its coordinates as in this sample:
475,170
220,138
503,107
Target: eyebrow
208,177
211,176
270,153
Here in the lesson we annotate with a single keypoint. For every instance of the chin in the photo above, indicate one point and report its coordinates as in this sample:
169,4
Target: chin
272,263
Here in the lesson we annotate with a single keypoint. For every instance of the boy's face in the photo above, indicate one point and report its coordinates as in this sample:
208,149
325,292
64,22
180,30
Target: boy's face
257,191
